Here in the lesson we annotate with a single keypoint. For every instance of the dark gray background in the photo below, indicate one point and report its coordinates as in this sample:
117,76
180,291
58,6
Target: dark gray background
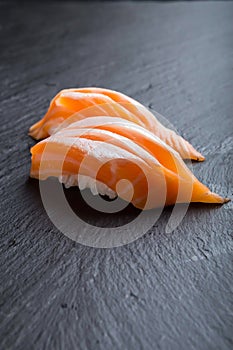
164,291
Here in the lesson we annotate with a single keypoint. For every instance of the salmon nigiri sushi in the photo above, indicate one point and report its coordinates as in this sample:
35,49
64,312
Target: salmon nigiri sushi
107,151
74,104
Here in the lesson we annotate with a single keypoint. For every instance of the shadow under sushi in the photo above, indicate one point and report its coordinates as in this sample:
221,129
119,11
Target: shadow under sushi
76,201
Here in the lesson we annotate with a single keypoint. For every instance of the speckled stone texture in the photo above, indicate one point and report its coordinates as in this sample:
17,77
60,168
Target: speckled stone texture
164,291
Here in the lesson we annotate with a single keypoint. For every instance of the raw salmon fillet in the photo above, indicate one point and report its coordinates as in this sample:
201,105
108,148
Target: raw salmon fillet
121,158
74,104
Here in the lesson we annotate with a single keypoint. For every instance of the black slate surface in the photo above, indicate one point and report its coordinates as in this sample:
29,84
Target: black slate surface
164,291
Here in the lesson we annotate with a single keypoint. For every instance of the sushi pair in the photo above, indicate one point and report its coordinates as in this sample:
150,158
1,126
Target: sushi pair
105,140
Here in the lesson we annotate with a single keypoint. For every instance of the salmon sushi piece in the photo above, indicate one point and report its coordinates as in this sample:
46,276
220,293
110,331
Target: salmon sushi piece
70,105
119,159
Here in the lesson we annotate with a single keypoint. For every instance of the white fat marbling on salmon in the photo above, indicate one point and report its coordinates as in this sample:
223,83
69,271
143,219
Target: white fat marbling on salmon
111,138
